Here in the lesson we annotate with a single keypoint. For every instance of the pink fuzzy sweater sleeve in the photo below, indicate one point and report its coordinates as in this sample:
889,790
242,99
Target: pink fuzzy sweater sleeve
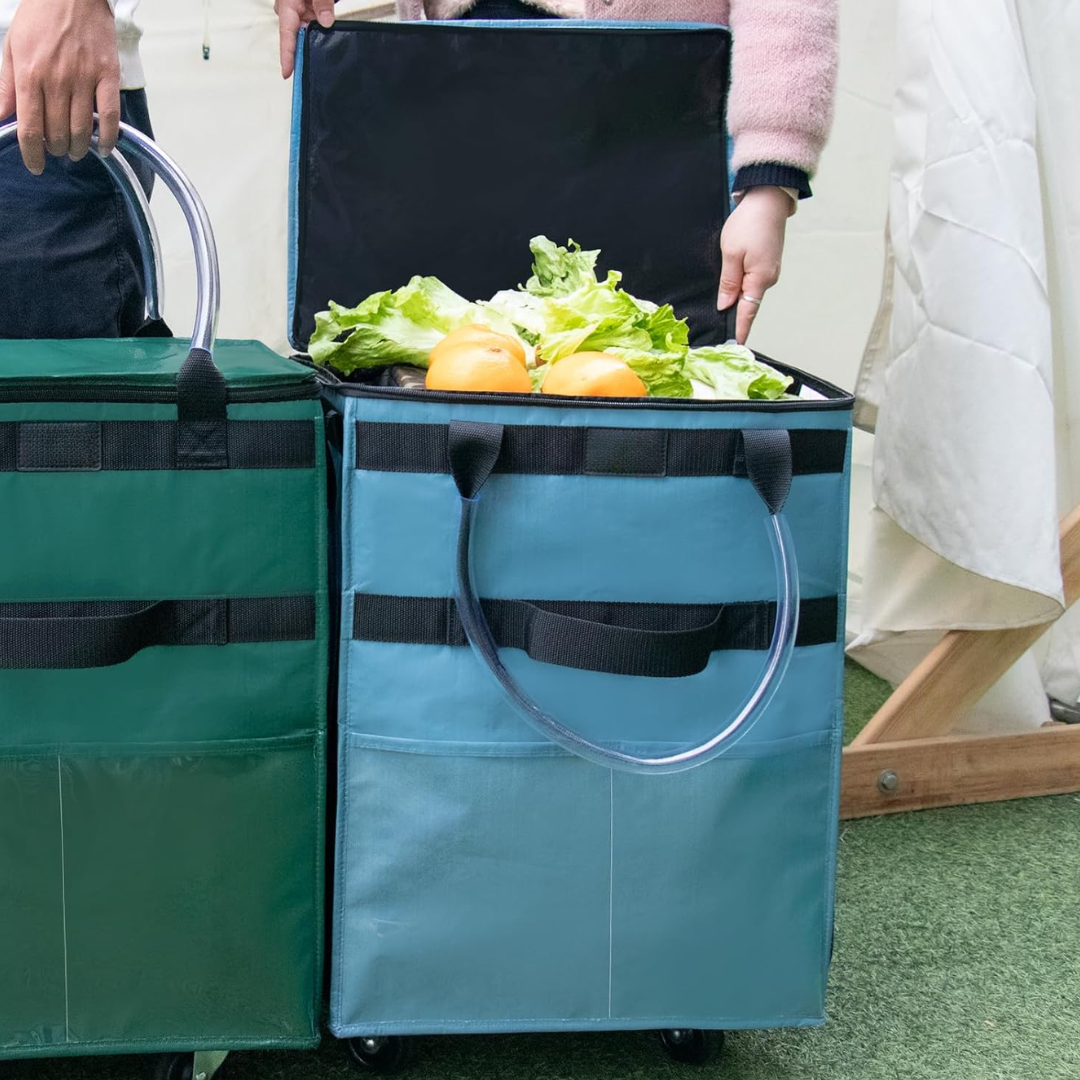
783,80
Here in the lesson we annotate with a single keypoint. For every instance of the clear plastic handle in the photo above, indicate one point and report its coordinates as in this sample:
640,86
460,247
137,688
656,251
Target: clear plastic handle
208,279
202,393
142,221
479,449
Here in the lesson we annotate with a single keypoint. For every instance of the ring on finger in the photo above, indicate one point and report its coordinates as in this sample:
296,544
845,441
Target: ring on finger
755,300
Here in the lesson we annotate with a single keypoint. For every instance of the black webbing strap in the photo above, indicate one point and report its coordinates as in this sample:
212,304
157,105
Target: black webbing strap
472,450
101,633
139,445
202,413
600,451
658,640
767,459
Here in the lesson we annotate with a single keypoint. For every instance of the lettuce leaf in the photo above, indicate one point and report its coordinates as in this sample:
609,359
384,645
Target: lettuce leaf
662,373
564,309
732,371
559,271
399,327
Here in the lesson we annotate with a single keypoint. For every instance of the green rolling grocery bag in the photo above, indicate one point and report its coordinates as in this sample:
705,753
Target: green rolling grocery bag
163,640
591,649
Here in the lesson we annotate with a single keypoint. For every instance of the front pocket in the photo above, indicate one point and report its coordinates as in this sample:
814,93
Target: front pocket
31,904
180,896
722,887
512,887
473,887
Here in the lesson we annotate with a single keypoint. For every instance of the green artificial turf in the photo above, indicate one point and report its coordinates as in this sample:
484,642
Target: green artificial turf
957,958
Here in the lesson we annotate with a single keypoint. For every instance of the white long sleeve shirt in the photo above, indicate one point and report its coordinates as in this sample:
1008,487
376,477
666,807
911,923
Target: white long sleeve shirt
127,38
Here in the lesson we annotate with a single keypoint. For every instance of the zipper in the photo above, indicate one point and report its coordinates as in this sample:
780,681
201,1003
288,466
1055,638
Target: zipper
77,391
840,399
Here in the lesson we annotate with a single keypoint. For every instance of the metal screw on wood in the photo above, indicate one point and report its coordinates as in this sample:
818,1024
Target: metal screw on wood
888,782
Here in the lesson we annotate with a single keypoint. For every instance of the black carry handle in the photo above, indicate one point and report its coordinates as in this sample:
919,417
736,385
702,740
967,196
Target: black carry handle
202,394
567,641
103,633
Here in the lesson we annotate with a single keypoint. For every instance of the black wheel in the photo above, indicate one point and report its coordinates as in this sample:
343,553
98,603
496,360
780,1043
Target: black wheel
691,1046
385,1056
175,1067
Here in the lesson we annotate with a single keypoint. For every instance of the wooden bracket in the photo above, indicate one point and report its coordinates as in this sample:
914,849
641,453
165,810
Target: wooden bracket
952,770
906,759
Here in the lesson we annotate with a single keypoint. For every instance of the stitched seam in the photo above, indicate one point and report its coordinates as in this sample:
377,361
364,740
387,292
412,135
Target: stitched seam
611,886
514,1024
322,691
63,898
344,710
188,1042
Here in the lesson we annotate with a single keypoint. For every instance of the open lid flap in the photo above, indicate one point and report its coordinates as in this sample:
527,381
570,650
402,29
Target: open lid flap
442,148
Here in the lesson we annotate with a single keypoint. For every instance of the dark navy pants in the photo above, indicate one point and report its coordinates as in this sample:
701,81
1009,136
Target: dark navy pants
69,259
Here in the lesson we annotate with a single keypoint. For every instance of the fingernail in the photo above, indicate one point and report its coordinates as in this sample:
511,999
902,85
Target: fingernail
725,301
326,19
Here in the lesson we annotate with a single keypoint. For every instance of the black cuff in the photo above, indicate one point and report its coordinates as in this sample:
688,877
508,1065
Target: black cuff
771,174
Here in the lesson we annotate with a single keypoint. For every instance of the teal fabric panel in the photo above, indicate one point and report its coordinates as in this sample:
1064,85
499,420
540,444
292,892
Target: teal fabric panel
701,899
506,934
672,540
439,694
740,870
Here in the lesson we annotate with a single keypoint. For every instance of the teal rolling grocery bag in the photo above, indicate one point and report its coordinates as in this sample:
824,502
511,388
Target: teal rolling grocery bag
163,665
591,650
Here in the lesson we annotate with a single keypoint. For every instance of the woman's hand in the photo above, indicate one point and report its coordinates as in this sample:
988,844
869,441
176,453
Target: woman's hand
59,58
752,245
292,14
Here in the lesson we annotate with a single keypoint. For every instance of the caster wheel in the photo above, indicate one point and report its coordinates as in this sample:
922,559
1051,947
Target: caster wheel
691,1046
175,1067
384,1056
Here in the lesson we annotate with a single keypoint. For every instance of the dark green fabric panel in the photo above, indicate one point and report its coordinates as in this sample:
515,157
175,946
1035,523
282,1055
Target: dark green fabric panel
191,894
116,535
31,904
142,361
169,695
161,820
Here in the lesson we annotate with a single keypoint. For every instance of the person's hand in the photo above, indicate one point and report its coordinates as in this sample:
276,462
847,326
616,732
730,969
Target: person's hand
292,14
59,57
752,244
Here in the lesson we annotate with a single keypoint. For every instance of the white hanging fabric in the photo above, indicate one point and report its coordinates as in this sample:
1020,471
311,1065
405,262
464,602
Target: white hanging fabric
971,380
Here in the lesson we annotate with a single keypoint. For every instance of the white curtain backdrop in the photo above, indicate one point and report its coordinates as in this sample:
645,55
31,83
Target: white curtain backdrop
226,122
970,379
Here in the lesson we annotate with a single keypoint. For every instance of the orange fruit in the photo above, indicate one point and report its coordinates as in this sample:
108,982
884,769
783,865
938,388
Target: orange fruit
593,374
478,367
474,333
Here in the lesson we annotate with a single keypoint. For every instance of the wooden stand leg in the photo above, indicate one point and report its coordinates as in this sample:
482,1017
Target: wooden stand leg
906,759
